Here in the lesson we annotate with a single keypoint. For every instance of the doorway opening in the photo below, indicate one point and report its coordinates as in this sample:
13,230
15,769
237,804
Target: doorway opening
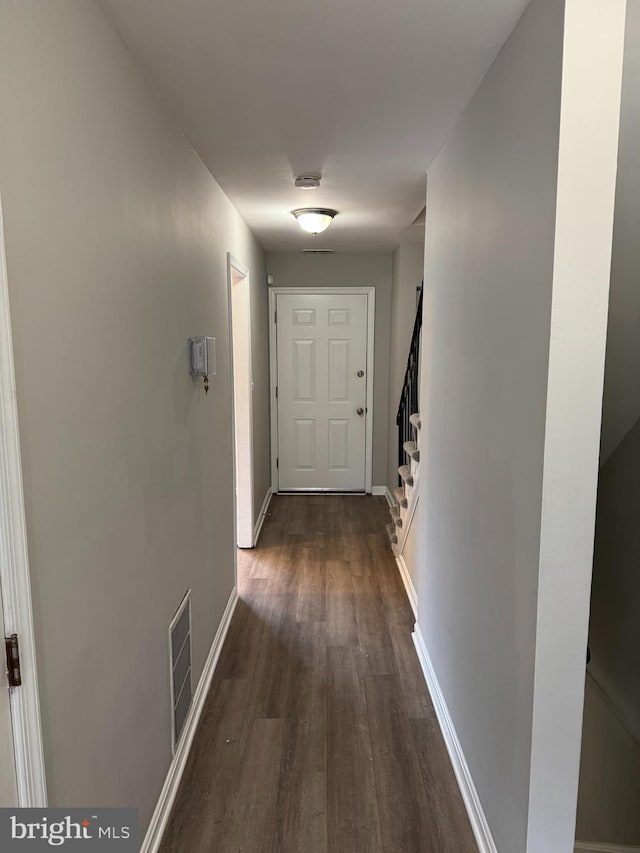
608,817
242,389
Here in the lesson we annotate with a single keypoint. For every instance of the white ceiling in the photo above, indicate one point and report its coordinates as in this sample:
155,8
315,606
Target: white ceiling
362,91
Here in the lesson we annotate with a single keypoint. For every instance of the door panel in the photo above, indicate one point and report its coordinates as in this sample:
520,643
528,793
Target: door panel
321,347
339,370
338,445
304,371
305,443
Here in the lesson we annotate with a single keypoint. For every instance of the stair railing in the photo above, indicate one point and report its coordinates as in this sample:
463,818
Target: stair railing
409,404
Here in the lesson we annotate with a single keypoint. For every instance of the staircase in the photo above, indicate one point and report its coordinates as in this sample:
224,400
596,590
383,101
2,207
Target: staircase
402,503
403,499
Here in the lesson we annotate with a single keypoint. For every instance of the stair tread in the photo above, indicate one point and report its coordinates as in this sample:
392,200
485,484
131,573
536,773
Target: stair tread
398,521
405,474
392,534
400,497
415,420
411,449
394,509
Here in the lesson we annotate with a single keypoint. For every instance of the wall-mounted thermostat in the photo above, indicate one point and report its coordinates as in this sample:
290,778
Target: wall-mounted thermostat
202,357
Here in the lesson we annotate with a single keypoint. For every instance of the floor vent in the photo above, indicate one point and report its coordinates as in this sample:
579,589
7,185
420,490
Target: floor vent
180,658
318,251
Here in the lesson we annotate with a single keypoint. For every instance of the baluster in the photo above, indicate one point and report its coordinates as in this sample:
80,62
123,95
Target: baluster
409,402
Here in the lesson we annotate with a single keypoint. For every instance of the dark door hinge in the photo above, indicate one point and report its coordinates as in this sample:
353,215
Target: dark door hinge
14,674
275,316
276,392
277,463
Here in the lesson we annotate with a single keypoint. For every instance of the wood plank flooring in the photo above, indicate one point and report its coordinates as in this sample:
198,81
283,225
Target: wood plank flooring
319,735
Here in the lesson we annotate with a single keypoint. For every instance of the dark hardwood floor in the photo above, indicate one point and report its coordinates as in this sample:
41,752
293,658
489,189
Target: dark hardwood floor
318,733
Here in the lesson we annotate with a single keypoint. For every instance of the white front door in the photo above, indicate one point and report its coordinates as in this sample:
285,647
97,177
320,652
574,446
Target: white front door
8,784
322,376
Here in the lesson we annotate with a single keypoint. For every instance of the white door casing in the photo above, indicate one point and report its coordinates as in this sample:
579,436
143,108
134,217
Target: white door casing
242,389
8,780
17,610
322,368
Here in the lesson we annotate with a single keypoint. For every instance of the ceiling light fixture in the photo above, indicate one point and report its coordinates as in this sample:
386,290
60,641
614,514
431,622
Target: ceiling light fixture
313,220
308,182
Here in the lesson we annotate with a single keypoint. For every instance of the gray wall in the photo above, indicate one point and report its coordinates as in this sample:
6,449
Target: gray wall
610,769
609,775
116,240
488,276
621,404
408,269
511,395
614,631
345,269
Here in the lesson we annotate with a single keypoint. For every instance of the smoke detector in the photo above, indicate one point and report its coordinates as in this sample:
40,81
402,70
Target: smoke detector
308,182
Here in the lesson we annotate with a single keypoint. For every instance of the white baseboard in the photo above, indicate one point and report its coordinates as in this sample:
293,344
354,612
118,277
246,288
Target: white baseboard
470,796
261,516
408,584
599,847
162,811
383,491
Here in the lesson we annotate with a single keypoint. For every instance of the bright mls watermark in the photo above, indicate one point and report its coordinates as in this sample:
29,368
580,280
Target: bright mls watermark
69,829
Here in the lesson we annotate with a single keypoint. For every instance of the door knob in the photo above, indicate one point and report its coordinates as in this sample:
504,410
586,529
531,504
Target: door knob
360,373
360,411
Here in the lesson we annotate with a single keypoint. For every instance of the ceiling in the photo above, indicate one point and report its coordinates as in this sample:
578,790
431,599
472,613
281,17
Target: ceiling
362,91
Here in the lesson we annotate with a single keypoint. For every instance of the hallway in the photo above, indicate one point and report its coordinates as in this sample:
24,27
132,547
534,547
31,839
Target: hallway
318,733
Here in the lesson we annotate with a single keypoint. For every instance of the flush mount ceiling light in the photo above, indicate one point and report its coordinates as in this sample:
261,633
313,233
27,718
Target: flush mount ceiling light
313,220
308,182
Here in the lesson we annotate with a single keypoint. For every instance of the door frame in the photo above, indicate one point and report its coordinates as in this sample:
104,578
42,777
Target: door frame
243,526
370,293
14,571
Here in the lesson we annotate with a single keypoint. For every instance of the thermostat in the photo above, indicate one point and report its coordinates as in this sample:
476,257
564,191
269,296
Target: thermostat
202,353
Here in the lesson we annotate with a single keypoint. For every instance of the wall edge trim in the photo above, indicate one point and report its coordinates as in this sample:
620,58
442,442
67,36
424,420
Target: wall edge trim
262,515
408,584
382,491
471,799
